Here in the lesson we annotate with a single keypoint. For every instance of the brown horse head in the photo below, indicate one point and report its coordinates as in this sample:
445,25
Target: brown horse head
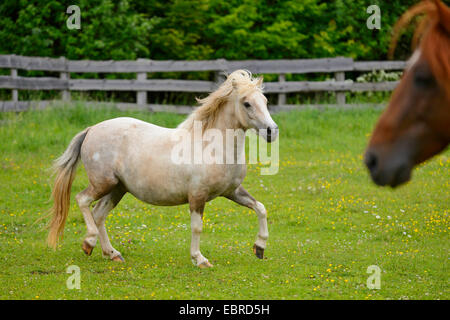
416,124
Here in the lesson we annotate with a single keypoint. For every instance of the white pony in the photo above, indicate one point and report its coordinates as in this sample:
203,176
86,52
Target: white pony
128,155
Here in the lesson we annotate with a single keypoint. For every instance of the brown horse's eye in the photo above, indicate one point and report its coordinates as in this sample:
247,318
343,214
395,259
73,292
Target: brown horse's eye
247,105
423,79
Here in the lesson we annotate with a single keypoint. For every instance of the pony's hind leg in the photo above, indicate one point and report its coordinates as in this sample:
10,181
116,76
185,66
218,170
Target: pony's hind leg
196,206
100,212
84,200
242,197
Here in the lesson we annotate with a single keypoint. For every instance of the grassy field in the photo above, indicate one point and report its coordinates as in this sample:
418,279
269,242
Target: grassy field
327,221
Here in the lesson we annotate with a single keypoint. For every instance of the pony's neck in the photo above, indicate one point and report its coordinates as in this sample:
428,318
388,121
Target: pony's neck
225,118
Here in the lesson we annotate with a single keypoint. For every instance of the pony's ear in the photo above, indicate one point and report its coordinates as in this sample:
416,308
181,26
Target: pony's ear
259,81
444,15
234,83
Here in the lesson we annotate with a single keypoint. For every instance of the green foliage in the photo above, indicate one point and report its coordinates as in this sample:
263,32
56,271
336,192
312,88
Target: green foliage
199,29
379,76
109,30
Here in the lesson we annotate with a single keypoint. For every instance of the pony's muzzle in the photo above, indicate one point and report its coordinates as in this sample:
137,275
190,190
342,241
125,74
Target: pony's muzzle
272,133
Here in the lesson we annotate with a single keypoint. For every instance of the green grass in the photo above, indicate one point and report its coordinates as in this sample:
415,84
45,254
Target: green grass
327,221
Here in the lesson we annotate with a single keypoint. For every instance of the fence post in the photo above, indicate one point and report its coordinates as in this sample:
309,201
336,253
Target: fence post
340,96
65,76
219,77
281,96
141,97
15,92
222,71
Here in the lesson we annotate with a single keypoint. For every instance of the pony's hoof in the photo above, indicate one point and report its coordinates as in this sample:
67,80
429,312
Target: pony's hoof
87,248
258,251
205,265
118,258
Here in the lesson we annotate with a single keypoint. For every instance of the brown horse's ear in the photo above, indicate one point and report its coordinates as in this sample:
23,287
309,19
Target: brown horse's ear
444,15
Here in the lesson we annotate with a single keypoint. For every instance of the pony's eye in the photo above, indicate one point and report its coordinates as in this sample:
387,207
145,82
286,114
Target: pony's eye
247,105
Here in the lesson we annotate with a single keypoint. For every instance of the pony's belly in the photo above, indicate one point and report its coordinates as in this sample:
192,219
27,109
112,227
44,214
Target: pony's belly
158,187
162,201
172,185
160,195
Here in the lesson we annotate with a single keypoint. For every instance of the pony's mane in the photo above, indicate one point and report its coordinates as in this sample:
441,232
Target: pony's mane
240,80
430,36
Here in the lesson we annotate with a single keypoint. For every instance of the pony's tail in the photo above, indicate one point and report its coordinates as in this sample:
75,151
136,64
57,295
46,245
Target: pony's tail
65,169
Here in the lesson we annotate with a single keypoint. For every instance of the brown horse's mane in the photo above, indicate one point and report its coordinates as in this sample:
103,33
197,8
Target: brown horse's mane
431,36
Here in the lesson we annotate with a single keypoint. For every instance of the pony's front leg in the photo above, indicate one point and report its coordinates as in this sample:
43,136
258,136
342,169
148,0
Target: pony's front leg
197,205
242,197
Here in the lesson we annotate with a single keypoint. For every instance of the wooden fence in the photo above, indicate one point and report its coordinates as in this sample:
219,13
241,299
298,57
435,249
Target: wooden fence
142,85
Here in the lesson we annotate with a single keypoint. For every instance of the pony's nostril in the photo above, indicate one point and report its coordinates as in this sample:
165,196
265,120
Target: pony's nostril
371,161
269,131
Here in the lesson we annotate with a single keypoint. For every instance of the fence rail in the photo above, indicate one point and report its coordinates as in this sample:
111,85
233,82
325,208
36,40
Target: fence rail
142,85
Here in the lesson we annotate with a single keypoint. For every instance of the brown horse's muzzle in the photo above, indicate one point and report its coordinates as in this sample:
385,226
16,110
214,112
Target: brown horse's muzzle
388,167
